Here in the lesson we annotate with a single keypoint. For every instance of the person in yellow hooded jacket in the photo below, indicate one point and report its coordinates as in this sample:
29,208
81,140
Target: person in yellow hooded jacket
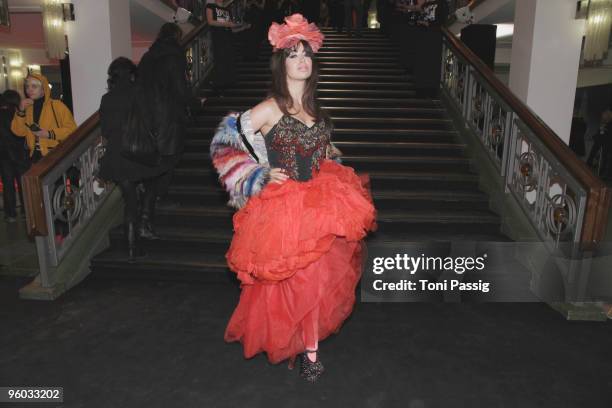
43,121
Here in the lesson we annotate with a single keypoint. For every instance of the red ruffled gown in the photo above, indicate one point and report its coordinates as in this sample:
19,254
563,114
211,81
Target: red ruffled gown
297,246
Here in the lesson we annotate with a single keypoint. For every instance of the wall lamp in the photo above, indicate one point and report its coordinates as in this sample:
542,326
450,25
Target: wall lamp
68,11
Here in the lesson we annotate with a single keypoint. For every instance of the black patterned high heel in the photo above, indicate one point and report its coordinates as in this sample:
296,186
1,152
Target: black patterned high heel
309,370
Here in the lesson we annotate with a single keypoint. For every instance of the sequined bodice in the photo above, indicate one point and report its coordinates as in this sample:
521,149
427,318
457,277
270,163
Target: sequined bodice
297,148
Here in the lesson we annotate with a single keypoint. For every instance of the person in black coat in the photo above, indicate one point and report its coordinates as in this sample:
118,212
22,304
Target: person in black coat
427,40
14,160
603,143
114,111
577,132
162,95
254,37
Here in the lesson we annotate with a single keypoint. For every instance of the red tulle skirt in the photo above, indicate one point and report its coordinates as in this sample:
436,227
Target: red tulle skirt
297,251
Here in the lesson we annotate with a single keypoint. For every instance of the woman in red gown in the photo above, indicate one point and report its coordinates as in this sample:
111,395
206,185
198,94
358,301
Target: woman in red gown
297,246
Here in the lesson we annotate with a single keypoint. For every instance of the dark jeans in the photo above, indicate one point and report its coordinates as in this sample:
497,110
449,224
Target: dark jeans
348,15
129,190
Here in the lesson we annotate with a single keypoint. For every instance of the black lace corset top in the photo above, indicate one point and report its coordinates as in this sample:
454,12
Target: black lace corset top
297,148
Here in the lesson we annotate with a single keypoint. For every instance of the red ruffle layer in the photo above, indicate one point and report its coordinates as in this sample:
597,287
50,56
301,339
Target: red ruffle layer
288,226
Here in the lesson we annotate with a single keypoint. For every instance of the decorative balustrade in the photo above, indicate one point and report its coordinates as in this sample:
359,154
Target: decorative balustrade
560,195
61,191
199,55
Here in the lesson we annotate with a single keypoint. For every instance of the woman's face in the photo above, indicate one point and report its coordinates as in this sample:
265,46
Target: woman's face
299,63
33,89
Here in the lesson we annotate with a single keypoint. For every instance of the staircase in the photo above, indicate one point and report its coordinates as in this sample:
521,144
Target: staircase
421,180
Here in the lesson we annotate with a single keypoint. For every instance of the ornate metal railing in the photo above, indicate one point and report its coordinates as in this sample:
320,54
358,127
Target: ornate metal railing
562,198
199,54
61,192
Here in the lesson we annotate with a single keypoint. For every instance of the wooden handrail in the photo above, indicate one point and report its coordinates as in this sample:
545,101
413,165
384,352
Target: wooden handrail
598,194
171,4
32,179
190,36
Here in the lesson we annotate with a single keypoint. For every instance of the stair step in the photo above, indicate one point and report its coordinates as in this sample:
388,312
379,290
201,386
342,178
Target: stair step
430,200
394,219
341,122
181,238
400,148
206,177
261,92
162,265
329,70
367,163
430,223
335,111
371,55
197,195
351,147
350,50
326,85
359,135
228,102
348,63
362,77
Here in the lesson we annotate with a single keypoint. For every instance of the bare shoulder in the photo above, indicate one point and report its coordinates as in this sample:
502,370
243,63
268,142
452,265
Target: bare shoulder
265,115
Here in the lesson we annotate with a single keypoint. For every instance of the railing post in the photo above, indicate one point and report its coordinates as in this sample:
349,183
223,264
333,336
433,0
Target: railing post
47,275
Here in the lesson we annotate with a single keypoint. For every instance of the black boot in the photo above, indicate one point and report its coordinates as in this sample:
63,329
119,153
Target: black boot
145,228
147,217
134,250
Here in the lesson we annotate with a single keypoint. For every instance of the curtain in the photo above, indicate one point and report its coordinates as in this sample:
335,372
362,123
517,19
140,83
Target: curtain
53,26
597,35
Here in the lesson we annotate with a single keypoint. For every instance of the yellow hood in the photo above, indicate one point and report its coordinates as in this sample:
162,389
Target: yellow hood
45,84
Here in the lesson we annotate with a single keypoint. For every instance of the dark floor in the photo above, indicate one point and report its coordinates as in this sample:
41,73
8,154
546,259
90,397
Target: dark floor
147,344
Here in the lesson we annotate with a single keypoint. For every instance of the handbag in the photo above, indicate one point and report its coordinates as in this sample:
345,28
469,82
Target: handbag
138,141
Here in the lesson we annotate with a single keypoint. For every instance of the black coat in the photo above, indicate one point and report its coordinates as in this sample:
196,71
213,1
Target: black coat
162,94
12,147
114,110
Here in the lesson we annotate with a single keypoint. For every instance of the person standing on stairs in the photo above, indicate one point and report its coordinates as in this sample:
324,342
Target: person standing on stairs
255,17
603,145
353,26
427,40
297,245
162,96
127,174
219,18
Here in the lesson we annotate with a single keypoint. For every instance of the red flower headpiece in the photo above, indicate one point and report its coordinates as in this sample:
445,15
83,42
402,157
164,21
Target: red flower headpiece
296,28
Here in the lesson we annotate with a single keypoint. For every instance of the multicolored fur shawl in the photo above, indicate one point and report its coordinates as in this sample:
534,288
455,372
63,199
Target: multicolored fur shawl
242,174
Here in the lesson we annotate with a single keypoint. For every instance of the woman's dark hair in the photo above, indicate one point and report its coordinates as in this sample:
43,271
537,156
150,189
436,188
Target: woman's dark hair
280,91
11,99
170,31
120,69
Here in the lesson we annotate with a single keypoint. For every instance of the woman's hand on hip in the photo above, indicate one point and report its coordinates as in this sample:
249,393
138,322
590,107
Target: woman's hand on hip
278,175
